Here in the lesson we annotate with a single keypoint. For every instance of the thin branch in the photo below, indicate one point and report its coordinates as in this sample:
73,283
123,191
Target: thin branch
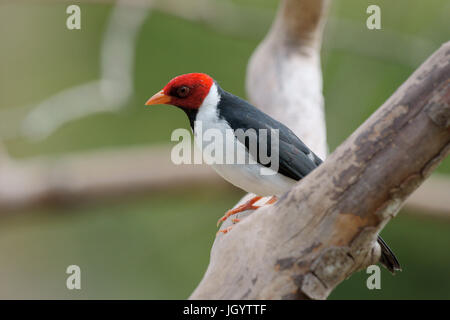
94,175
110,92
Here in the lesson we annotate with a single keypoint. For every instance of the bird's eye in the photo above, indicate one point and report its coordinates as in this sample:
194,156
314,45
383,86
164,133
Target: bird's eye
183,91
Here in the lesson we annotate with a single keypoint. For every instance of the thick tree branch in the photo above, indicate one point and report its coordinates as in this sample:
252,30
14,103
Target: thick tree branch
284,77
325,228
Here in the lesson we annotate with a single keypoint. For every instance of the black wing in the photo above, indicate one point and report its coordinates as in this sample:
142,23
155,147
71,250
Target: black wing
296,160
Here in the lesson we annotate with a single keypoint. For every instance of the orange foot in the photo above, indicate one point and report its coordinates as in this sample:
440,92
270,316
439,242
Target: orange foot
224,231
272,200
246,206
243,207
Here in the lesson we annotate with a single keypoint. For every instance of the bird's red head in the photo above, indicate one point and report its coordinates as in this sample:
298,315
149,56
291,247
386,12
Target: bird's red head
185,91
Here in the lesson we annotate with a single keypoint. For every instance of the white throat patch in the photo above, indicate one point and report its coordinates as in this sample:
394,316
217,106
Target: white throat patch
208,114
211,101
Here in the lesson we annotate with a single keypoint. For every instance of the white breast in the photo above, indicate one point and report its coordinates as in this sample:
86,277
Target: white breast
245,176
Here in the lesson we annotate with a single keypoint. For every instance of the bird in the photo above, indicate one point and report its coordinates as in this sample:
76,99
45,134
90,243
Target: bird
208,106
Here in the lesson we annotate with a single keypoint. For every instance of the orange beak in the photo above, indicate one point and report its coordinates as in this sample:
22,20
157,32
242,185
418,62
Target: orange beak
159,98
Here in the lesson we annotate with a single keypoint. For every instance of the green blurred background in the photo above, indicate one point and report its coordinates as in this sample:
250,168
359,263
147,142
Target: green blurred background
156,246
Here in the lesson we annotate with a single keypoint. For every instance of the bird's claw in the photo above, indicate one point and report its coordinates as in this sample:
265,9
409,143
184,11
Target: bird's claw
224,231
243,207
230,213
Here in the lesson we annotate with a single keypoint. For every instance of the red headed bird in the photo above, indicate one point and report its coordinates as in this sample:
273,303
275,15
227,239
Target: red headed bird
207,105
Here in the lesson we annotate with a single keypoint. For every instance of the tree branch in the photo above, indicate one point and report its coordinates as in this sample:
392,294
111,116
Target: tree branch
325,228
95,175
284,77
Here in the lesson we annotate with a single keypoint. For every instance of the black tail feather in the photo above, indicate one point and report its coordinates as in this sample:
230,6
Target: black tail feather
388,258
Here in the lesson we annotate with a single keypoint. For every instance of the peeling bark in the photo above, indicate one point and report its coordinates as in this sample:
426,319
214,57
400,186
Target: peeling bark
325,228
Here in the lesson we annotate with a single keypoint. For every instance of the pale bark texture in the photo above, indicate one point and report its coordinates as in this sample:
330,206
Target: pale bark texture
284,77
326,227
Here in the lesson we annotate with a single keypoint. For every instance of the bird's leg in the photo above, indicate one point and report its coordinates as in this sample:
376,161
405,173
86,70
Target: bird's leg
272,200
243,207
246,206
